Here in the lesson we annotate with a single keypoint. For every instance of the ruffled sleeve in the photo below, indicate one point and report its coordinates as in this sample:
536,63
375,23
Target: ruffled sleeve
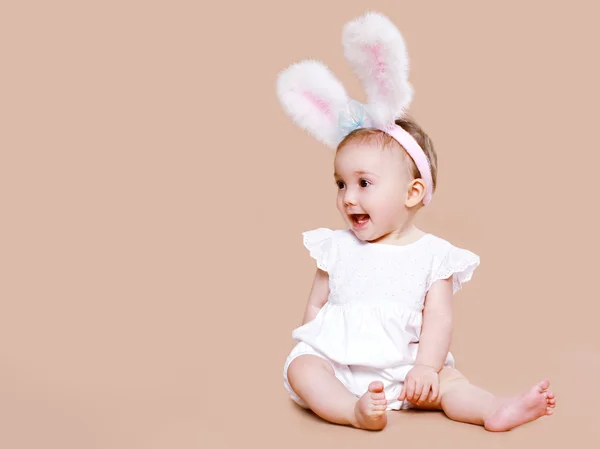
320,246
459,263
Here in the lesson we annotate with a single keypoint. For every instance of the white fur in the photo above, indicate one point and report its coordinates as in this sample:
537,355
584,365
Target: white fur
374,28
315,77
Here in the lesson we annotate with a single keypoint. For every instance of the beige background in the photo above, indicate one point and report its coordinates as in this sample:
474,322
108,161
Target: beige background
153,197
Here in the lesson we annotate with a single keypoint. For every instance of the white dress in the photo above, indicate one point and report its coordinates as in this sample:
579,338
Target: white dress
369,328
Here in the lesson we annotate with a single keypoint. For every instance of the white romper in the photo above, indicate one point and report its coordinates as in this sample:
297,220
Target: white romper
370,326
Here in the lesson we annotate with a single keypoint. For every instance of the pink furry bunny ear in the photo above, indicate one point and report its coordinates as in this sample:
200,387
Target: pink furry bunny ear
314,98
377,54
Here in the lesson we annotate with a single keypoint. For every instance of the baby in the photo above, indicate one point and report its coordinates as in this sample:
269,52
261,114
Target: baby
378,323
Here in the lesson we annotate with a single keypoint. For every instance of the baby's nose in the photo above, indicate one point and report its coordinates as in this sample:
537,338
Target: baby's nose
349,200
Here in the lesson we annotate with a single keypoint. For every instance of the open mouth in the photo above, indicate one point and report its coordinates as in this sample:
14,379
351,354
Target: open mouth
359,220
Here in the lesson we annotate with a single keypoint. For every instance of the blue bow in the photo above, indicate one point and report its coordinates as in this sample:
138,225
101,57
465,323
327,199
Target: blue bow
353,119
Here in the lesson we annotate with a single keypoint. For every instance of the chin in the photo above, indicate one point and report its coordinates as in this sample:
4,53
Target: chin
368,234
362,234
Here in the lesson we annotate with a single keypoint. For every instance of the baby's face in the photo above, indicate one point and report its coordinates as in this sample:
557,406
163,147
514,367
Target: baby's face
372,188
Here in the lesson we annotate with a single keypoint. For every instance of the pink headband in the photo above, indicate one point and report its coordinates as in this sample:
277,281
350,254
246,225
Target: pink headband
418,156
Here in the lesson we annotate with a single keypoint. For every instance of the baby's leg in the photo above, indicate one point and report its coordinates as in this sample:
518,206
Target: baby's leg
462,401
313,379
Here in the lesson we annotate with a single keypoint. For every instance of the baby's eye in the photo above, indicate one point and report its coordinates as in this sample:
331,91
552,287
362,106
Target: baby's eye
364,183
340,184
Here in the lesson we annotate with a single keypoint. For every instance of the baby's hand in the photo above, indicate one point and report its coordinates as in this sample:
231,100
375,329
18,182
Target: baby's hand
419,381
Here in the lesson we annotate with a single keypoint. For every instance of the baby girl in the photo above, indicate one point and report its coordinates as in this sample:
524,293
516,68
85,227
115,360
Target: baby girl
378,323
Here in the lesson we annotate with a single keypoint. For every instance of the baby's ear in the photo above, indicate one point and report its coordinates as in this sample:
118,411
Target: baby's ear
377,54
313,98
415,193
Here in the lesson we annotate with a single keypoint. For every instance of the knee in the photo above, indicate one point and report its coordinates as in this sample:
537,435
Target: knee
302,366
449,377
448,372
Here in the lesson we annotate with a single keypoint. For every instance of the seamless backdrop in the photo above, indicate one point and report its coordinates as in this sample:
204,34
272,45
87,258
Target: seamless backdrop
153,197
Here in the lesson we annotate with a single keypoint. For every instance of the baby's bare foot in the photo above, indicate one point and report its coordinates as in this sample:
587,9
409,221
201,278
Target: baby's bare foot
369,411
529,406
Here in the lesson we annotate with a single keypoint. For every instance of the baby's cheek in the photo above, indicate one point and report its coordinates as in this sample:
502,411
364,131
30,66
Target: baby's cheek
386,210
386,201
390,209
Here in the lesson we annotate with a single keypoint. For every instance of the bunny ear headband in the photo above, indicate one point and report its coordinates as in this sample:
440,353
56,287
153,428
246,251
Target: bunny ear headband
318,103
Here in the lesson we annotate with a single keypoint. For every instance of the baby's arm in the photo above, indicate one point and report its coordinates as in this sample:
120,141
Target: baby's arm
319,295
436,331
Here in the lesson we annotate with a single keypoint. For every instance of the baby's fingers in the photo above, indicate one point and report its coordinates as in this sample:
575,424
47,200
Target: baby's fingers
418,390
408,389
404,392
435,391
423,397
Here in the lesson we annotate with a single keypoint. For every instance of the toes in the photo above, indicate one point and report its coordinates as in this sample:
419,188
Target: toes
376,387
549,411
377,396
551,401
543,385
549,394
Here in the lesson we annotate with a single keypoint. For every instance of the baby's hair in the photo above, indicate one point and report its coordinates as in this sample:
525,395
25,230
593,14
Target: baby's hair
385,140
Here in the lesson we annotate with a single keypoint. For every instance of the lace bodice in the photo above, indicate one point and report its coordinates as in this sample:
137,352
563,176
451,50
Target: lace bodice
377,291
